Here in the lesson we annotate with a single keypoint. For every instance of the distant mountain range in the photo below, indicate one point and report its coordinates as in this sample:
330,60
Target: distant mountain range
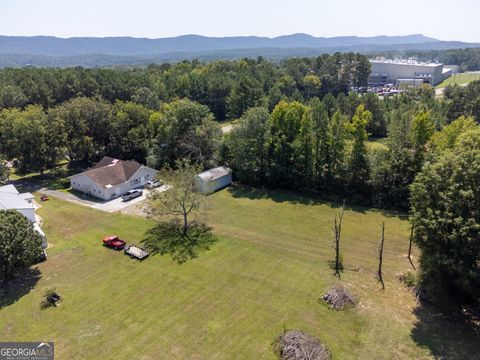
90,51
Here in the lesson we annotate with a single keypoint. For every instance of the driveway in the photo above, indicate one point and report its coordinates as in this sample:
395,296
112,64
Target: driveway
108,206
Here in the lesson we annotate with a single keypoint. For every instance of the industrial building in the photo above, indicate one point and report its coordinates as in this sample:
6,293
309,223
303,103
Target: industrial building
407,72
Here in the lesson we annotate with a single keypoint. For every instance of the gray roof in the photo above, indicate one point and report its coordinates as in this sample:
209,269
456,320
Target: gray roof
11,199
111,172
215,173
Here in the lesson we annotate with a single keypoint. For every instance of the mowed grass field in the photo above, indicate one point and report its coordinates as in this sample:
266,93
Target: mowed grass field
266,273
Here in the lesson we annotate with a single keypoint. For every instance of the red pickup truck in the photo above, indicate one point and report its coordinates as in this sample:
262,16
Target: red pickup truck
114,242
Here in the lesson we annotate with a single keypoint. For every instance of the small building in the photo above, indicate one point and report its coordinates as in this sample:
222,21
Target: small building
12,199
112,178
214,179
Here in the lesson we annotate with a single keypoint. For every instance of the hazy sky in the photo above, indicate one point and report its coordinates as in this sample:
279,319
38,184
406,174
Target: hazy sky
446,20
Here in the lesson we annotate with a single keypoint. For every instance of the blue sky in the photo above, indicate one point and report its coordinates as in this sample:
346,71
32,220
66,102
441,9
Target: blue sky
446,20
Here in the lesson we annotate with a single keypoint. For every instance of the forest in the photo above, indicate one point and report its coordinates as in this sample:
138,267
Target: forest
298,125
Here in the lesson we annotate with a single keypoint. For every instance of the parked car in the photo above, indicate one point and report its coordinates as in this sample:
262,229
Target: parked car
114,242
152,184
132,194
44,197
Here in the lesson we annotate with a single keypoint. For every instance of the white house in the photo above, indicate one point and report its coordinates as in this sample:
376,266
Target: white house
214,179
111,178
11,199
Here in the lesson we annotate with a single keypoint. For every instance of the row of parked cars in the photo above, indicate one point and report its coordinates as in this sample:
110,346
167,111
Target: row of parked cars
132,194
114,242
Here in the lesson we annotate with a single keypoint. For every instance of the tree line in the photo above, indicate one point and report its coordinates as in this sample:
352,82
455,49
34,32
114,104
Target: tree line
228,88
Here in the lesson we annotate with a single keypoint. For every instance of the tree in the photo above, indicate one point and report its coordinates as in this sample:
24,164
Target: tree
87,127
4,172
320,123
129,131
12,96
290,147
358,167
246,93
336,149
25,134
181,237
393,168
182,199
420,133
20,244
147,98
312,86
247,146
445,202
187,130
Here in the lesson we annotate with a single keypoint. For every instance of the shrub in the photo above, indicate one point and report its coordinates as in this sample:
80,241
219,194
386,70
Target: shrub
50,298
409,279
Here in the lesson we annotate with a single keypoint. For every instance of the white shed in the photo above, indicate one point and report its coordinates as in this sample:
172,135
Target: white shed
214,179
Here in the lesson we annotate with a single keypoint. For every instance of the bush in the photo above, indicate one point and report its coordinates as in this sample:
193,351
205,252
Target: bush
50,298
409,279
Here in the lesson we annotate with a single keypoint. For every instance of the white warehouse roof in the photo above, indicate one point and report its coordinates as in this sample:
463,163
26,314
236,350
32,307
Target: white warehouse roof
404,62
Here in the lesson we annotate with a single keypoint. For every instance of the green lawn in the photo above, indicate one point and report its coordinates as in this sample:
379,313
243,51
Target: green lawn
266,272
459,79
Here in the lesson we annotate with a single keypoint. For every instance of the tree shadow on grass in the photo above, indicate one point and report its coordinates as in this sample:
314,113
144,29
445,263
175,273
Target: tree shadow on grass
168,238
241,191
454,336
12,290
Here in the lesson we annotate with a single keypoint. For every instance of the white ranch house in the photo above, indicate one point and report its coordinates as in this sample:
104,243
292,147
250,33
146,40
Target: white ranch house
112,178
12,199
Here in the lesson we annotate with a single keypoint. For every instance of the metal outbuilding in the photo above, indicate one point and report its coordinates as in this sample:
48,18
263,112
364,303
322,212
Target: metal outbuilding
214,179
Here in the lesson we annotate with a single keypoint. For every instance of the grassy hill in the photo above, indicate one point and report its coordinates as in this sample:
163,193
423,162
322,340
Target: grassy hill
265,273
460,79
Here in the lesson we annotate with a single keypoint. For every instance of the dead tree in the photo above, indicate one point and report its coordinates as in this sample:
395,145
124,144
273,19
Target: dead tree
380,257
338,232
410,249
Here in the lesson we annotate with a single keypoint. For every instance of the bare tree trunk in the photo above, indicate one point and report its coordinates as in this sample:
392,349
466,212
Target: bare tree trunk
380,257
338,233
185,223
410,249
